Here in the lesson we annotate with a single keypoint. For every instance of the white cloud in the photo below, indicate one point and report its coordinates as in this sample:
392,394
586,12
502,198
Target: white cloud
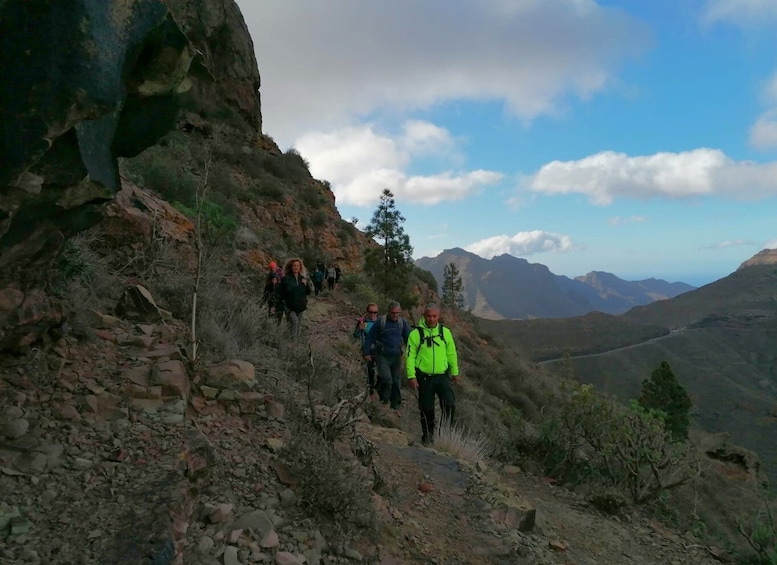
620,221
772,244
727,243
360,162
523,244
605,176
740,11
324,64
763,134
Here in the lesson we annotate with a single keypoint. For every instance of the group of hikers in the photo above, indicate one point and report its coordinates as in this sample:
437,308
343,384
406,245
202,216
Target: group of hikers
286,290
427,351
389,343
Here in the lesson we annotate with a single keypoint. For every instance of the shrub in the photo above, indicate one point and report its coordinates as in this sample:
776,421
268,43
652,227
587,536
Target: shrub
426,277
593,437
761,535
218,222
289,166
166,169
84,278
270,188
318,218
327,487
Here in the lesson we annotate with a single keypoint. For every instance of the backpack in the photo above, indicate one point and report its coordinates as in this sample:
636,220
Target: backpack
441,335
382,321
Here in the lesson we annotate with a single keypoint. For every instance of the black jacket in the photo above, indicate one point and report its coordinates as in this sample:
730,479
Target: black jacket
292,294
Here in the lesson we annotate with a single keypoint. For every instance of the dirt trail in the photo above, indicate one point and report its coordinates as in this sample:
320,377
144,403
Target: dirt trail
436,509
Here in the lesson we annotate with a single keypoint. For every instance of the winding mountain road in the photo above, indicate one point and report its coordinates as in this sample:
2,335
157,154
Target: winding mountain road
671,333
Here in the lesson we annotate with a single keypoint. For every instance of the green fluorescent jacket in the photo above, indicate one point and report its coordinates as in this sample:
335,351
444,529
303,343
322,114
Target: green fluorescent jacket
435,359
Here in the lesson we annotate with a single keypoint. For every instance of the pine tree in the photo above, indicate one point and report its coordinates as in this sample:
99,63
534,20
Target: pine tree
665,393
390,264
451,287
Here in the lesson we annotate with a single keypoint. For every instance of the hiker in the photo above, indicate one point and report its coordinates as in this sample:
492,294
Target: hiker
270,297
293,292
432,364
331,275
363,327
276,270
388,336
318,280
338,274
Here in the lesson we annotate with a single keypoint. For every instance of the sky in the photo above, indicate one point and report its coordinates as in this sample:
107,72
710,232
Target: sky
629,136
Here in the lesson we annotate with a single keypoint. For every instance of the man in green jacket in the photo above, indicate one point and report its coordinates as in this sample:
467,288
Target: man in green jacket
432,364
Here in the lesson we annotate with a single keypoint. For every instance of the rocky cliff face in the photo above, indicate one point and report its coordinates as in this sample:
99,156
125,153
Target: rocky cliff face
106,79
218,31
92,81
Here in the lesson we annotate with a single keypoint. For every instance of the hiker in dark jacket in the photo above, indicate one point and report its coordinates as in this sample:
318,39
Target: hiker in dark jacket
318,280
363,326
388,336
293,292
270,297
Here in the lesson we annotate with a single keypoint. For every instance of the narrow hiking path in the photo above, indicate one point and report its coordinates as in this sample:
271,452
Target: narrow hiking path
436,509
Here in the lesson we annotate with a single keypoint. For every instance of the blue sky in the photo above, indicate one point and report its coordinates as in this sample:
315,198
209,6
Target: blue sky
630,136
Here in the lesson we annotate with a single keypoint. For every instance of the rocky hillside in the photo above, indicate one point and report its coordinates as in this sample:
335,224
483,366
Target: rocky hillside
152,412
508,287
763,257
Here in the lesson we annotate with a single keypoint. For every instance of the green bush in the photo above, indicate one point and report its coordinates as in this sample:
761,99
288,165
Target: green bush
219,224
595,438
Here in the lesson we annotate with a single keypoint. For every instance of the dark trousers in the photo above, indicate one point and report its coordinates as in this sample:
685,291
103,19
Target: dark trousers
430,386
318,285
330,283
369,368
389,379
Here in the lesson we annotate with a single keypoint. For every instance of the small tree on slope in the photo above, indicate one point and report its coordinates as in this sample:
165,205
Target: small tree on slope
451,287
390,265
662,391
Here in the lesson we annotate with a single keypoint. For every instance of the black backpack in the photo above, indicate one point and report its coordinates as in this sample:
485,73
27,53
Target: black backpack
428,338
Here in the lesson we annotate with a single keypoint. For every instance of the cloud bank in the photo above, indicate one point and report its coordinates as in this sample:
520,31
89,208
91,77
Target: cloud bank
742,12
763,134
523,244
726,244
324,64
608,175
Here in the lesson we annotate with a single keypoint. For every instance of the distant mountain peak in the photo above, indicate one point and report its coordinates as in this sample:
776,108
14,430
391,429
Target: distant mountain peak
510,287
764,257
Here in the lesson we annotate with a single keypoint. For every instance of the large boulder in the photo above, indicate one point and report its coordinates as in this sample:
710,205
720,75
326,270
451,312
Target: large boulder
84,82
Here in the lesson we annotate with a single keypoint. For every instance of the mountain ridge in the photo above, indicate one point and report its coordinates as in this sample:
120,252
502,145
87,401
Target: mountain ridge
489,288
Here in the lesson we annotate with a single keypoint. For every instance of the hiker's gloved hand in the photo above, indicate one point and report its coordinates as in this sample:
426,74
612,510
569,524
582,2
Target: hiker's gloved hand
413,383
456,379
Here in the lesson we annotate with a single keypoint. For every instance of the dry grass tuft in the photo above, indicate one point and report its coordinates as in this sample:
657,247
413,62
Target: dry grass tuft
459,441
